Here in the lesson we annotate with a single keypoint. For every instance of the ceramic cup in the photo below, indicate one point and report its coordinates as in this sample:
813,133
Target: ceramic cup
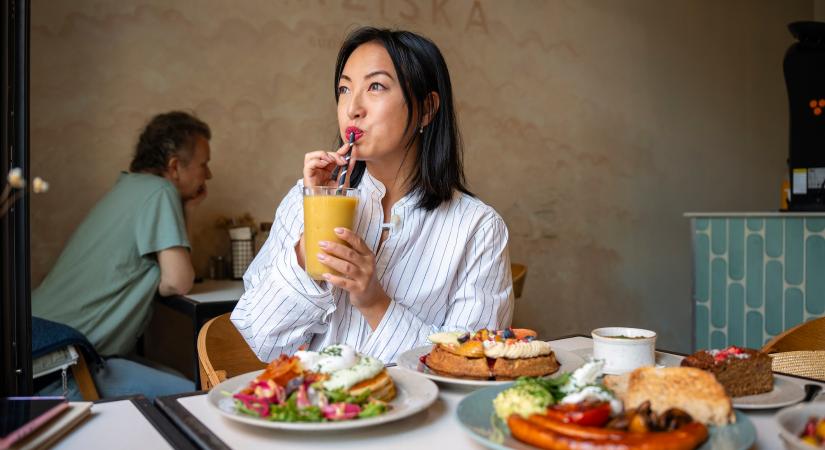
624,349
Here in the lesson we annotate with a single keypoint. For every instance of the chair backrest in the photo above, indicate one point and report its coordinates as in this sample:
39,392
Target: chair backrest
223,352
809,335
519,272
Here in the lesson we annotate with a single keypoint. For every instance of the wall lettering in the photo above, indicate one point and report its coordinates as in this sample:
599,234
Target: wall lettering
438,10
476,18
442,13
352,5
412,14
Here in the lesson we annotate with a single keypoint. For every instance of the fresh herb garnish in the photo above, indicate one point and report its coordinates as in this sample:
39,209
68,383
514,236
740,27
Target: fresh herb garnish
332,350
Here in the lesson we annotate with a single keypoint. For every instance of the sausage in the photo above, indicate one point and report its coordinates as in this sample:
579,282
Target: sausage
536,433
576,431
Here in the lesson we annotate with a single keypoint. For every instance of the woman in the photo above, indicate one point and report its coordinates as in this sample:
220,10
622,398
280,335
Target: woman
441,263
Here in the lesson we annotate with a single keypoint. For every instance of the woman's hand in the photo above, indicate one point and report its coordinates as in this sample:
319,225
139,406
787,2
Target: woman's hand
356,265
318,166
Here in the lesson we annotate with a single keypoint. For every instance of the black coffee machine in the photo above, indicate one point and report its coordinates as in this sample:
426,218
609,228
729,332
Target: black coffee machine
804,67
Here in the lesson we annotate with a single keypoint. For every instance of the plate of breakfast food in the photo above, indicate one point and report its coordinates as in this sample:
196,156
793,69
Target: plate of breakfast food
674,407
486,357
747,377
335,388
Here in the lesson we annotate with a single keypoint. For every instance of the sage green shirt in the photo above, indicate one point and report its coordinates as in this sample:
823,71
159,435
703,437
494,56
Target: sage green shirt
104,281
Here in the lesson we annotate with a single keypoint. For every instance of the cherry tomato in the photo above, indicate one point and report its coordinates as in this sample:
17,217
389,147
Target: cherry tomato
584,414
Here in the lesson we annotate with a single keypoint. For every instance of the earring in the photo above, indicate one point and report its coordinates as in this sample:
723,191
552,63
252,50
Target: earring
421,131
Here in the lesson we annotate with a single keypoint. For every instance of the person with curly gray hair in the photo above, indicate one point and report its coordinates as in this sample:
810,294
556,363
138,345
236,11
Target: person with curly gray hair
133,244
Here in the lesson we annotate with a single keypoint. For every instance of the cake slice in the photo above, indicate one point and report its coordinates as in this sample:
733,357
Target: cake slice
741,371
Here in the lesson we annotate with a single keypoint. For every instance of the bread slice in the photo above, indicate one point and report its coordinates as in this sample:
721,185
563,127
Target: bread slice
446,363
380,386
617,384
693,390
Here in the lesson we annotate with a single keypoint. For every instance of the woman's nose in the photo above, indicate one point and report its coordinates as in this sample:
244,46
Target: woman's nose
208,174
355,109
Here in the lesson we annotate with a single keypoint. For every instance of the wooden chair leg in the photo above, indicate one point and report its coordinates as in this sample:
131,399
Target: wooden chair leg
204,377
83,378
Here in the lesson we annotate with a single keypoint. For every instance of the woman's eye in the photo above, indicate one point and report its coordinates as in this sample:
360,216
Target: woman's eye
377,87
342,90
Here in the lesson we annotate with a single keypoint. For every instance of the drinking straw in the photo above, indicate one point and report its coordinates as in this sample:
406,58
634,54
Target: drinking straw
342,176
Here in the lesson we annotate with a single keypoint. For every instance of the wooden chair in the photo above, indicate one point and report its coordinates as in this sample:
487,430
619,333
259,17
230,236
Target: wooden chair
800,350
809,335
83,378
519,272
223,353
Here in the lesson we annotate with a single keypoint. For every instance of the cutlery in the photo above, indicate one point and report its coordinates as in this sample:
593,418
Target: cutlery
811,392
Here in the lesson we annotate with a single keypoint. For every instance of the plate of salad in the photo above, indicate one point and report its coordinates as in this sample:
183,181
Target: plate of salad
298,399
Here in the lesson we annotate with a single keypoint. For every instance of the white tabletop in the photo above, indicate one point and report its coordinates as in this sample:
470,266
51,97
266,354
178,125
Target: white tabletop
216,291
436,425
114,425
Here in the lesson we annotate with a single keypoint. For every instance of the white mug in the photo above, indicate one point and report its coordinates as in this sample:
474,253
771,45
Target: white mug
624,349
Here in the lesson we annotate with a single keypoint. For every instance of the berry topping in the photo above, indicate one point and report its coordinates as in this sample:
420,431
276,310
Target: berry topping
725,354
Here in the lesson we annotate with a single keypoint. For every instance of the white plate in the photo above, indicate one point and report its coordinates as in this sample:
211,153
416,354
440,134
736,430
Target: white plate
410,360
785,392
414,393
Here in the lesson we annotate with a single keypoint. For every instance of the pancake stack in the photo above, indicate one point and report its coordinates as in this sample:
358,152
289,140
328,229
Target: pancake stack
485,354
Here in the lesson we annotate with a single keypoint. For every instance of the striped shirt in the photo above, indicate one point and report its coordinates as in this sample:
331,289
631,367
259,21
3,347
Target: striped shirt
446,269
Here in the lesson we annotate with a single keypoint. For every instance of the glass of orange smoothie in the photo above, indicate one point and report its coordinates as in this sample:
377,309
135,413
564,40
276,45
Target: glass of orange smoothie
325,208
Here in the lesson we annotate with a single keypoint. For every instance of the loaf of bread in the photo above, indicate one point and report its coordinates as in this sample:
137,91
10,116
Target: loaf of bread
693,390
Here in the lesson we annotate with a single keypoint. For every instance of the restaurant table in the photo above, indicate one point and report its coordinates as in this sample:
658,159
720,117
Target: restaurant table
208,299
124,423
437,426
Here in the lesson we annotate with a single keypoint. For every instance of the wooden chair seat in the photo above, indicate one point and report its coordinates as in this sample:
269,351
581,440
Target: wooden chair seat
223,353
809,335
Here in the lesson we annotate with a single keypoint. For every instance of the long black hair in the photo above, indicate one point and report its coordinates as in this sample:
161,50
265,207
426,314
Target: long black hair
421,69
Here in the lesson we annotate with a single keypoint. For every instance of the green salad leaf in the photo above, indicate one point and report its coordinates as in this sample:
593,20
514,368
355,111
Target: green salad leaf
372,409
289,412
551,385
342,396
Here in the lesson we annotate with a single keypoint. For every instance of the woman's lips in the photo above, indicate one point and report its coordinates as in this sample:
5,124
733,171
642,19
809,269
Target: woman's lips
358,133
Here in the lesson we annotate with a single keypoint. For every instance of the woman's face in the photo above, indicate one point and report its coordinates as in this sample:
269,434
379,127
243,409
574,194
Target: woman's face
371,103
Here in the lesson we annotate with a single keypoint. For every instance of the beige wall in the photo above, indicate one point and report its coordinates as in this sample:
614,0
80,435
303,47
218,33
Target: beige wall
591,126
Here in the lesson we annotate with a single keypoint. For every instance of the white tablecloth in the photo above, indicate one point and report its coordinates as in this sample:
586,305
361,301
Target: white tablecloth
114,425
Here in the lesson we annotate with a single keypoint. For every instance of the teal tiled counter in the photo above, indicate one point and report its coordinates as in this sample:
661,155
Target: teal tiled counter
755,275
